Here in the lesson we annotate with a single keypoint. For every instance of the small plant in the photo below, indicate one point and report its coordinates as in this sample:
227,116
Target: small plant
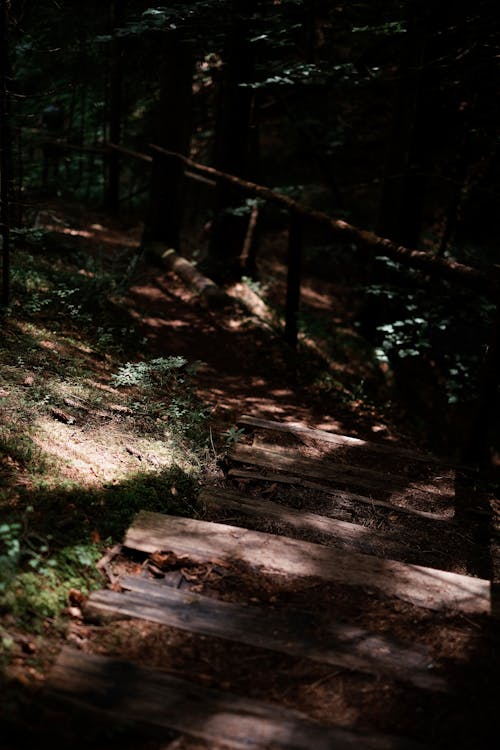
161,371
21,449
233,435
10,552
34,582
184,413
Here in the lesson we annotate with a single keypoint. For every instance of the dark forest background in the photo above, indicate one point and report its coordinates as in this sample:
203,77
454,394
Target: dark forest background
385,115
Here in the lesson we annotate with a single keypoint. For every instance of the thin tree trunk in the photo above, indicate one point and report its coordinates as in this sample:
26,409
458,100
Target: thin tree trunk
248,254
115,106
91,160
174,125
83,102
232,144
459,189
477,445
292,305
401,209
20,176
5,151
68,163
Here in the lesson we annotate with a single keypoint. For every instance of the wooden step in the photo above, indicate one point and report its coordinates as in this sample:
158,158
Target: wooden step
204,540
322,436
344,534
345,499
301,634
155,700
343,474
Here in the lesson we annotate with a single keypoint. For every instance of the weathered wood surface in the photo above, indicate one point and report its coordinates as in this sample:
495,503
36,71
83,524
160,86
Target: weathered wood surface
367,479
150,698
322,436
345,499
344,534
203,540
187,272
293,632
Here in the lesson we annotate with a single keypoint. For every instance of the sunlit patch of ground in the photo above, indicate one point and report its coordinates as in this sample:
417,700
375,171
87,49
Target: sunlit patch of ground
99,454
79,227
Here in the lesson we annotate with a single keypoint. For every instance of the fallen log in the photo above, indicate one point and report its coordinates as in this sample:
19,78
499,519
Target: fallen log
433,265
208,290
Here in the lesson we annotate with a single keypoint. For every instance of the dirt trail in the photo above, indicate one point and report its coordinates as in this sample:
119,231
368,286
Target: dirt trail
247,369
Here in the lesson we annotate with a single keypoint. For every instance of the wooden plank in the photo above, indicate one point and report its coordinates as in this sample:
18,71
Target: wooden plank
346,499
204,540
344,533
301,634
367,479
154,699
322,436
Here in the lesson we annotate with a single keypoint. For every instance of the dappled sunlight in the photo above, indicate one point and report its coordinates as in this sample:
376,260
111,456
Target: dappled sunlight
421,586
96,232
219,526
99,454
71,232
318,294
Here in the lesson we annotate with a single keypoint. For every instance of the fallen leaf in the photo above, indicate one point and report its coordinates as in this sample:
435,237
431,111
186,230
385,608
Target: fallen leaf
76,598
168,559
156,571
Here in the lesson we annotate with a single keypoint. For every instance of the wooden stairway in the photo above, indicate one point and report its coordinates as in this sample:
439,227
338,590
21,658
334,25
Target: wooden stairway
289,518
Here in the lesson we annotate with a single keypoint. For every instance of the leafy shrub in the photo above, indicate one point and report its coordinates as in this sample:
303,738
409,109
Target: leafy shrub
184,413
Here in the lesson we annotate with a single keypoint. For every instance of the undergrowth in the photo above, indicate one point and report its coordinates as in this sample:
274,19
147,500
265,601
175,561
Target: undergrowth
64,362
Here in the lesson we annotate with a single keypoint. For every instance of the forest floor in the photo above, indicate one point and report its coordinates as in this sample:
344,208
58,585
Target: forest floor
101,418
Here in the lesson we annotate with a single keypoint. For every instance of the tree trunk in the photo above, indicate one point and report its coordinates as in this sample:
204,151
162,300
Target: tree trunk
83,113
5,151
232,147
294,261
401,209
173,131
477,447
115,106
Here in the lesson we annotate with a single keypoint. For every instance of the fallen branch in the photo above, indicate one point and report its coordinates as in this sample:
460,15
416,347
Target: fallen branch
130,152
447,269
208,290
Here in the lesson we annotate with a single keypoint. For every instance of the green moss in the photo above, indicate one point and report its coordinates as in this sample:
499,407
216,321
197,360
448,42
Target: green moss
33,595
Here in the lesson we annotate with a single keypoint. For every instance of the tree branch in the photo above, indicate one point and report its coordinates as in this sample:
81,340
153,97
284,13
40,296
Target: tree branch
449,270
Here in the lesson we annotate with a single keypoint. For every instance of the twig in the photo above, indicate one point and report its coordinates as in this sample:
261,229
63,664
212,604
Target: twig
324,679
108,556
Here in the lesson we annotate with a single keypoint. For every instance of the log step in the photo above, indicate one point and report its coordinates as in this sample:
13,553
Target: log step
322,436
344,534
156,700
354,476
204,540
293,632
341,497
